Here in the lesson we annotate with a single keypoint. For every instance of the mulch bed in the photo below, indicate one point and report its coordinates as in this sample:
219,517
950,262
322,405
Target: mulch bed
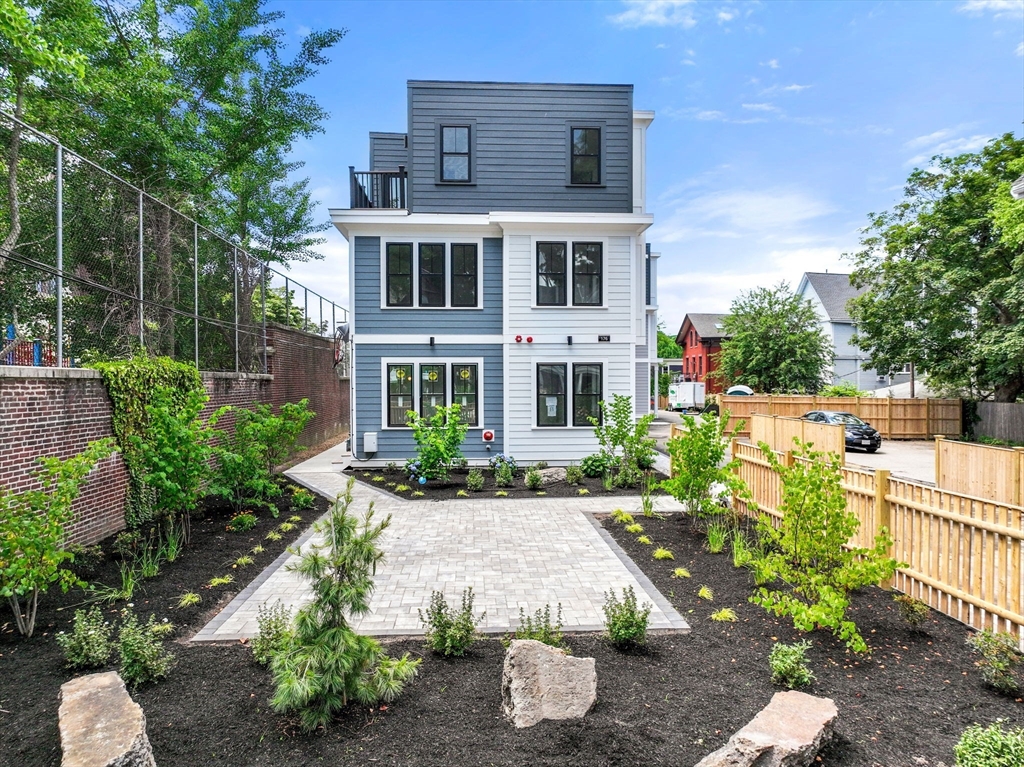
668,706
435,490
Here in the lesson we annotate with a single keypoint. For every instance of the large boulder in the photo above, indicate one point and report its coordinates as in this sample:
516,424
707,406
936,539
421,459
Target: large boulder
788,732
543,682
101,726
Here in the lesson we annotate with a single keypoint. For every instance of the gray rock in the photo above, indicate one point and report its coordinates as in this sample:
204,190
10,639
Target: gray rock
552,476
788,732
100,725
542,682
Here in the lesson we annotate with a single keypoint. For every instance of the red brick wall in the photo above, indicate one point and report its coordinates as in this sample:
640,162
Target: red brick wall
52,412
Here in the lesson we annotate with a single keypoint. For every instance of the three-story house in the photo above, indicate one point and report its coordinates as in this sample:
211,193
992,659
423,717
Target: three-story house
498,261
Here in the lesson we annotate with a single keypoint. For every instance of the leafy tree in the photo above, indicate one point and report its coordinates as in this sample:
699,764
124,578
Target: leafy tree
617,430
667,346
775,343
34,531
325,663
439,441
944,275
843,389
808,552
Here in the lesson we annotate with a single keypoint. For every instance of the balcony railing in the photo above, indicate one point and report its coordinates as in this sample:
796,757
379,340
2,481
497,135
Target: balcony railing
377,188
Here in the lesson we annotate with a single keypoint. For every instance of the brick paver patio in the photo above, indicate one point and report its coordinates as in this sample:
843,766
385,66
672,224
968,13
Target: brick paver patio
514,553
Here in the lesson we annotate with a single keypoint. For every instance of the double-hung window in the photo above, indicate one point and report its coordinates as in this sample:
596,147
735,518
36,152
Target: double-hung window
423,387
559,278
399,274
586,156
558,395
416,274
455,159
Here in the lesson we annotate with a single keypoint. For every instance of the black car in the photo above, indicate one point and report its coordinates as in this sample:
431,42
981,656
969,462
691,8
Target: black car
858,433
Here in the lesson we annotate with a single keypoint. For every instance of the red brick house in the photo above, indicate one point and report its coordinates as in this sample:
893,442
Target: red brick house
700,338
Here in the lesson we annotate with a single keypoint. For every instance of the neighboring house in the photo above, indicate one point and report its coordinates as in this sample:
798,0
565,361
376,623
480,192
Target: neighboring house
498,260
829,294
700,338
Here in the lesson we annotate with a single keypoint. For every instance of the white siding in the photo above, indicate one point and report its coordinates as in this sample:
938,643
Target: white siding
550,328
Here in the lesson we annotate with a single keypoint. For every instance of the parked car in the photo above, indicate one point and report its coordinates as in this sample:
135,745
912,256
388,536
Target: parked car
859,433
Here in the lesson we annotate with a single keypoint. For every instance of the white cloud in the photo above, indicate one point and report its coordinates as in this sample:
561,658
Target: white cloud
709,114
1020,49
794,88
725,15
660,45
951,147
771,63
656,13
688,62
761,107
690,52
931,139
998,8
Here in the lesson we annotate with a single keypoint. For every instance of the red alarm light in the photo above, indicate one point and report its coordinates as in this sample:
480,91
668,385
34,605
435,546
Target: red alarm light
519,339
488,435
529,339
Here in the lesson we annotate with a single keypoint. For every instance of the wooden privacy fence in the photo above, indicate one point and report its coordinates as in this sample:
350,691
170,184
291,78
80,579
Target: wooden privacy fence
778,432
984,471
893,418
962,553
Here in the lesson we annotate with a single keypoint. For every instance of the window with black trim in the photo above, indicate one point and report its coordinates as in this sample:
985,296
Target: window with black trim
551,274
400,398
464,392
586,394
551,392
464,274
432,389
432,274
455,159
586,273
586,156
399,274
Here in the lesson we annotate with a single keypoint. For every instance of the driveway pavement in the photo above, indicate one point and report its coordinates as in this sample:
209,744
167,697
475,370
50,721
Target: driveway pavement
514,553
911,459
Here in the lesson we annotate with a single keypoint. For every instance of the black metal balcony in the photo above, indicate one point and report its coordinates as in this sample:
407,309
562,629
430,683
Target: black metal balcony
377,188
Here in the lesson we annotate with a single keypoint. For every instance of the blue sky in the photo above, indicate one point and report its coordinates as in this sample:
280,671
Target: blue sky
779,125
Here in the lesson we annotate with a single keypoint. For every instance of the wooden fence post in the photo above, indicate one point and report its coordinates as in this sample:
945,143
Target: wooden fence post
888,417
927,416
938,460
736,471
1018,479
883,513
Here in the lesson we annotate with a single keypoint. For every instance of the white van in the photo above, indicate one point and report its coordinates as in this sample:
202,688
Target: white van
685,395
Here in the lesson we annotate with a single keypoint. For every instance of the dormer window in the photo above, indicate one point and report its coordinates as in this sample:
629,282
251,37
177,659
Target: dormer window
455,160
586,155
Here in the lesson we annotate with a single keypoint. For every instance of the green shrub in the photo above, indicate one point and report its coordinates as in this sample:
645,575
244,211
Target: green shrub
843,389
698,463
808,551
999,659
717,535
596,465
303,499
623,439
143,657
788,664
913,611
741,553
573,474
450,631
475,480
326,663
625,622
242,522
127,543
438,441
503,475
534,481
539,627
990,746
34,531
88,645
499,459
273,632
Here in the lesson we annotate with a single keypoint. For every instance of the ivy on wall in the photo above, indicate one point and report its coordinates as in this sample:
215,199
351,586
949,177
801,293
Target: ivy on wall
131,384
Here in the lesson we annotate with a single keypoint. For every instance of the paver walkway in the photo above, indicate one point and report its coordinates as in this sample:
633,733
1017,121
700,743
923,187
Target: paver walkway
514,553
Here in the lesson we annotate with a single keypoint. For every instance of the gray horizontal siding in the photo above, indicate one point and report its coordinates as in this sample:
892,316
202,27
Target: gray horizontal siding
520,146
387,151
370,318
398,444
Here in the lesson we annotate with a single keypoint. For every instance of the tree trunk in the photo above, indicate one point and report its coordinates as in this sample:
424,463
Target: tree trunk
1008,391
13,154
163,274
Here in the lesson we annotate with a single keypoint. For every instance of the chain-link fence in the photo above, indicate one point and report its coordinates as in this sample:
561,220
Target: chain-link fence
92,267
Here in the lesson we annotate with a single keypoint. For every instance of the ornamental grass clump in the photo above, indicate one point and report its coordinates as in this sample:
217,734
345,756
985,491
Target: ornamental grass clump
88,645
450,631
808,553
788,663
325,663
625,622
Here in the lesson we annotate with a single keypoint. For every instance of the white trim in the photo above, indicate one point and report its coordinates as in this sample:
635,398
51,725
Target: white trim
405,338
380,222
569,241
562,340
552,360
421,239
416,362
505,348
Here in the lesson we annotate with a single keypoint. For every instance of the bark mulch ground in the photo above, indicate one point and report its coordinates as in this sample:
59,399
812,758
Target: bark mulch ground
905,705
388,480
